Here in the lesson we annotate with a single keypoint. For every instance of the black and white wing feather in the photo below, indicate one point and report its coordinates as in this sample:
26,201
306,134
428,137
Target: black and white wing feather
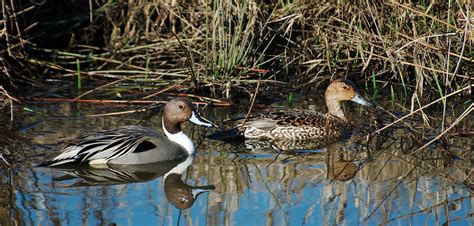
103,146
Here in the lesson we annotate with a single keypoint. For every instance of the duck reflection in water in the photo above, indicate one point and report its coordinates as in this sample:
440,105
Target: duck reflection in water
180,194
343,166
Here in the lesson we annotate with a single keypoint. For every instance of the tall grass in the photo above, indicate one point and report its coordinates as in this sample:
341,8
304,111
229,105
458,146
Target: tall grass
412,46
228,45
224,48
79,80
231,39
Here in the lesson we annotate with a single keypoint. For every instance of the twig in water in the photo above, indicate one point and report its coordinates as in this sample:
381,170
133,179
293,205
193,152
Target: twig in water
206,98
253,101
419,109
118,113
164,90
8,99
463,115
389,193
5,160
103,86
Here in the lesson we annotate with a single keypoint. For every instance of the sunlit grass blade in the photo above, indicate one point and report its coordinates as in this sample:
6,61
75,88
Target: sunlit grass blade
78,68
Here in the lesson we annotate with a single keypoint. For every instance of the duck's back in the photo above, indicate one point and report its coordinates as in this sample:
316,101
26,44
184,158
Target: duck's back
298,125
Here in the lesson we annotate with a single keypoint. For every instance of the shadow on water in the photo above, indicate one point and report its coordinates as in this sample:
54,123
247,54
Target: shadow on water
362,180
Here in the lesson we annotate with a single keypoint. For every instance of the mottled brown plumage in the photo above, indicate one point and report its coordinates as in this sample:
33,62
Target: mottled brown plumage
303,125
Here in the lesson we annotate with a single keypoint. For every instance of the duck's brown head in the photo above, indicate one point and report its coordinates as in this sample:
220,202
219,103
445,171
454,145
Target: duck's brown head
179,110
343,89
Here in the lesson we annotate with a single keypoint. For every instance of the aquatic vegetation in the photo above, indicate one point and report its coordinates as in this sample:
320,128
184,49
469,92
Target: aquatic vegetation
222,46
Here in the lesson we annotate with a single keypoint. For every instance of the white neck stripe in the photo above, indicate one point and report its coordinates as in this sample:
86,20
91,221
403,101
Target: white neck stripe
180,138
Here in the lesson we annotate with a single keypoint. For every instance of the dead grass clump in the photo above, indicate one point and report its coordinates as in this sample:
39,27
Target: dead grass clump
422,48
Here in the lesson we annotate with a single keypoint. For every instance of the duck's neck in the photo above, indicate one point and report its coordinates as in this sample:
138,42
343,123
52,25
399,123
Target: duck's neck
177,136
334,108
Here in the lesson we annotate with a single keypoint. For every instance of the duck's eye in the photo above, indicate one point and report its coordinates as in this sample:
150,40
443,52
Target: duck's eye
181,106
344,86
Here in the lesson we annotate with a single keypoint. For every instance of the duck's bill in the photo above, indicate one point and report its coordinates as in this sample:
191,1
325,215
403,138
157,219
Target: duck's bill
201,189
360,100
197,119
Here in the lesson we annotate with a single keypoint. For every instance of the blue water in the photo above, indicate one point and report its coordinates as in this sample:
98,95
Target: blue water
310,200
260,188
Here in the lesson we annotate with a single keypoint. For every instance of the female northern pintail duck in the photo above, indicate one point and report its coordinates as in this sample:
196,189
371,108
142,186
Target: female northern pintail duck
304,125
136,144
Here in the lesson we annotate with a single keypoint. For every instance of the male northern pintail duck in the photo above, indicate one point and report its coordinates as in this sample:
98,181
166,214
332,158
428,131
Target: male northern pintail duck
304,125
136,144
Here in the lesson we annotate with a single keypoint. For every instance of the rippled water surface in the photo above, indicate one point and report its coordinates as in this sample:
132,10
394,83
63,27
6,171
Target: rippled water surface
346,183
